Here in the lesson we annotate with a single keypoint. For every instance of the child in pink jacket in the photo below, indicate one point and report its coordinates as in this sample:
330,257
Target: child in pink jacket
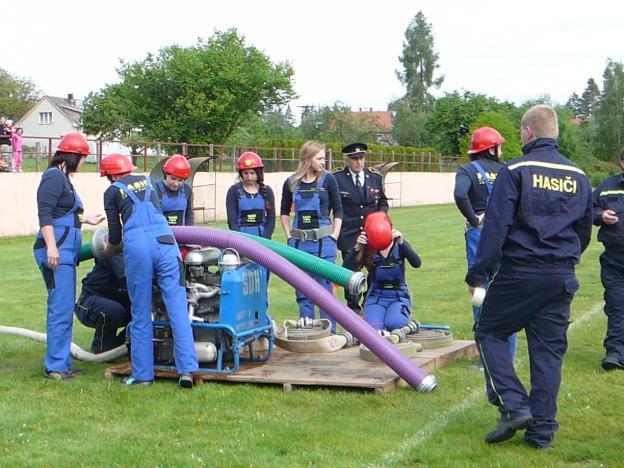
16,141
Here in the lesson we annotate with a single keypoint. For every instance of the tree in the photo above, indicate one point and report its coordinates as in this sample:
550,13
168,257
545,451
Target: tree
17,95
409,125
276,124
610,113
575,104
338,123
452,117
197,94
105,114
589,99
419,61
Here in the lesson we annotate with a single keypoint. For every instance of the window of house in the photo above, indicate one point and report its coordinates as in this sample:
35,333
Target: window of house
45,118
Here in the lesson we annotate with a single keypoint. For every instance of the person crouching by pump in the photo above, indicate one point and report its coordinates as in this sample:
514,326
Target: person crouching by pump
150,252
104,303
176,196
383,251
315,195
250,203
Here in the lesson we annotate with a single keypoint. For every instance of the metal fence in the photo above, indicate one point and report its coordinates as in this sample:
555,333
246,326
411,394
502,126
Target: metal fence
147,153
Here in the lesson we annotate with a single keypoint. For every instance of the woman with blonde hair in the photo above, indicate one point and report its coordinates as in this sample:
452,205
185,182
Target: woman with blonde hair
316,198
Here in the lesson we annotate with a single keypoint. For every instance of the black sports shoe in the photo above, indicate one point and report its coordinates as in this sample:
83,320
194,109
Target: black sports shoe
612,362
186,381
507,427
58,375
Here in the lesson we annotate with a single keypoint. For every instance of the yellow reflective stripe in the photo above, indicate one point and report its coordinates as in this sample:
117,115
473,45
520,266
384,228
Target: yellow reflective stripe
611,192
547,165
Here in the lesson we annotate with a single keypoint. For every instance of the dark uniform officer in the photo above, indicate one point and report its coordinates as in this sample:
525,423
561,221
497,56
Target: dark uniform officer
537,224
609,214
104,303
362,193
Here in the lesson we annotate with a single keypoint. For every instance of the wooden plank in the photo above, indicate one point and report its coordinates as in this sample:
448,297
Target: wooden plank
344,368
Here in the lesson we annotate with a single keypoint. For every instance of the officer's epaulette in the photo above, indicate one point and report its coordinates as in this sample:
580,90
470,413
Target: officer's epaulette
339,170
375,171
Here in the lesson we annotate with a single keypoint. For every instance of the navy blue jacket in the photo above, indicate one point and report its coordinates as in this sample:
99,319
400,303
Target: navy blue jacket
329,195
107,279
55,196
357,205
539,213
609,195
471,194
117,203
231,206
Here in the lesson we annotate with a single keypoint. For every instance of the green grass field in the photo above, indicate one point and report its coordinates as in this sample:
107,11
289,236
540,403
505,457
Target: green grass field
94,421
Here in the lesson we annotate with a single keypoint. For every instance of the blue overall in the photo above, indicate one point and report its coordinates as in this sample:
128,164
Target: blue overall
145,256
61,285
174,208
325,248
251,213
388,305
473,235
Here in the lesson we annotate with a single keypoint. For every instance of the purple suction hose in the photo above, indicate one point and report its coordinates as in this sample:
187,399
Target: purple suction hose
298,279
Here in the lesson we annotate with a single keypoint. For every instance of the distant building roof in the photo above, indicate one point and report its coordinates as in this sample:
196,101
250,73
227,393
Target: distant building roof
69,106
381,119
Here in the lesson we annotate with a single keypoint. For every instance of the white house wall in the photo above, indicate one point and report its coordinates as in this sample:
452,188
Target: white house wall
60,126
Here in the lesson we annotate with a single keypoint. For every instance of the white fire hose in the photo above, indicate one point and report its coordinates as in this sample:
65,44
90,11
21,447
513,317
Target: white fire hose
76,351
206,351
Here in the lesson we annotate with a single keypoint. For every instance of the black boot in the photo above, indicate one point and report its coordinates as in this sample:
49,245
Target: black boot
612,362
507,427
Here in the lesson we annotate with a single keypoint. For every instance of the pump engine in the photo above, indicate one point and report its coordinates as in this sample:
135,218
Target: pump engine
227,306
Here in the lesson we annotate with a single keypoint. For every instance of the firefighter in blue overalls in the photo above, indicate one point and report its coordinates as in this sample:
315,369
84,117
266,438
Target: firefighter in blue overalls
250,204
150,252
315,195
104,303
176,196
608,202
383,251
537,224
57,247
473,185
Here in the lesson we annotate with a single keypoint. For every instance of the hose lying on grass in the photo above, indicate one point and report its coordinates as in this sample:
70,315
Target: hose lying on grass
76,351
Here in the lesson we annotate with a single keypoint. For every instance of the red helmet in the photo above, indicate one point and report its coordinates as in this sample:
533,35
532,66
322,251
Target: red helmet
485,138
378,229
177,166
114,164
249,160
74,143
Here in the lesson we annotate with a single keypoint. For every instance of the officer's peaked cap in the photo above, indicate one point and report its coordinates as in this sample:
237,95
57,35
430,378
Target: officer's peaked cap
355,150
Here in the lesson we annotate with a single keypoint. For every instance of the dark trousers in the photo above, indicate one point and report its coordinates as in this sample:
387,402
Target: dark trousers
538,301
612,277
106,316
354,301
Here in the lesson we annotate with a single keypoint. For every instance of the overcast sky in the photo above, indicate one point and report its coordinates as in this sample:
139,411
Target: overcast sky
341,50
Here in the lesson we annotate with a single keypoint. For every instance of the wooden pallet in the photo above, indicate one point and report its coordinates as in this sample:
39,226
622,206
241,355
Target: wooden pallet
344,368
